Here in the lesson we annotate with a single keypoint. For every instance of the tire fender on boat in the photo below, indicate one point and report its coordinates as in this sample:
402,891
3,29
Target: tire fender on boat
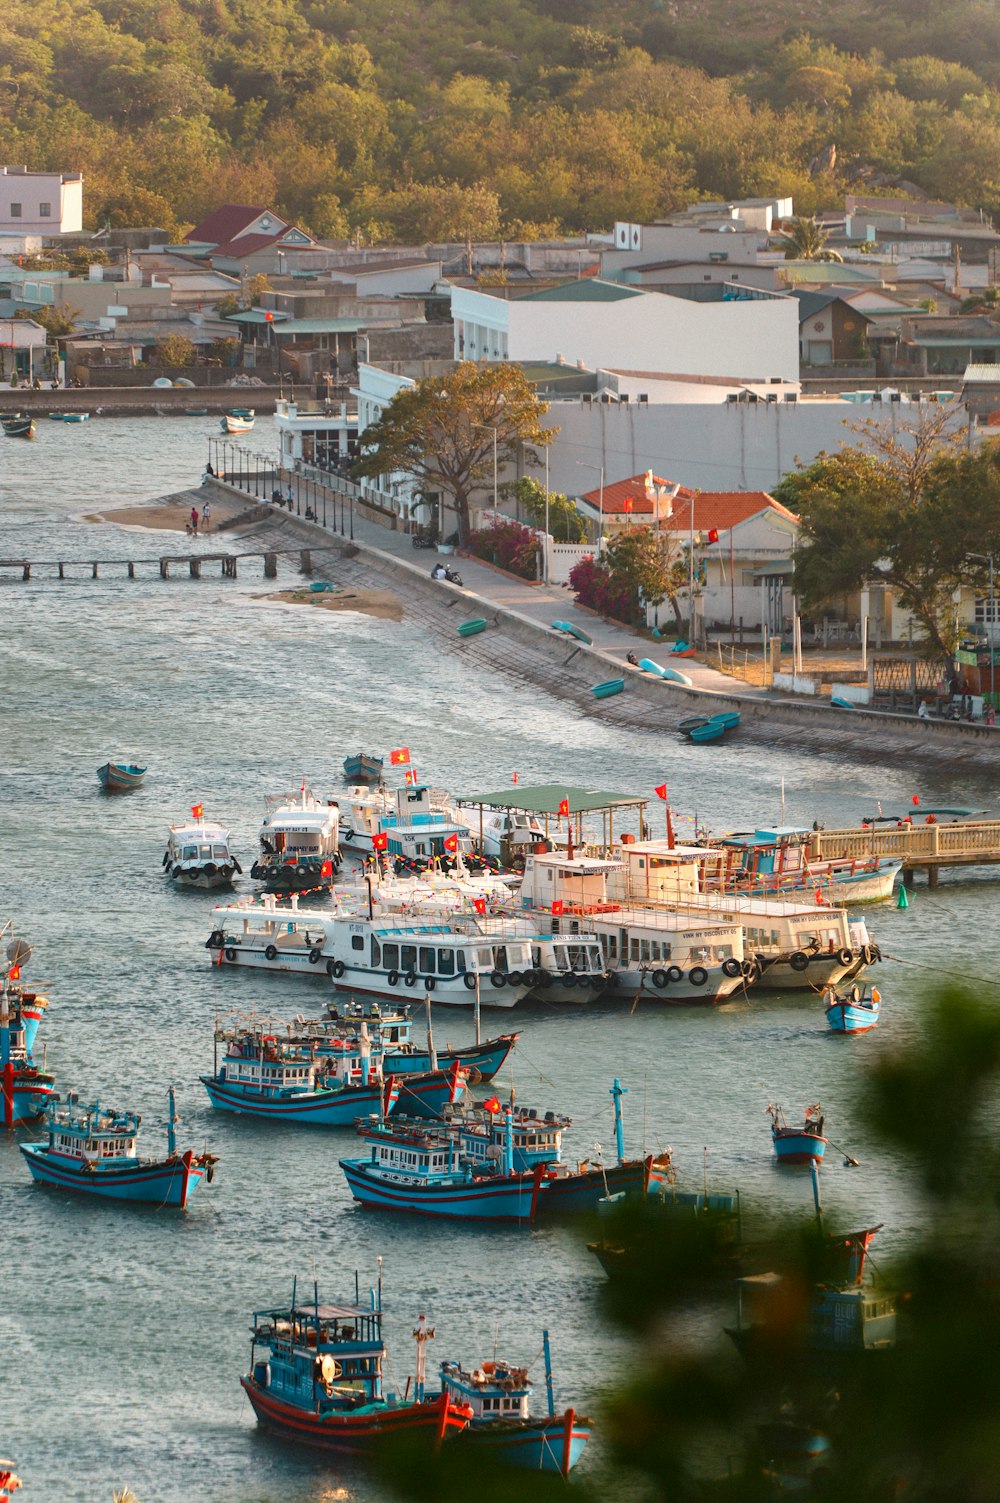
697,975
844,956
731,967
393,978
498,979
410,979
674,973
660,979
315,956
430,982
470,981
337,968
271,953
230,955
799,961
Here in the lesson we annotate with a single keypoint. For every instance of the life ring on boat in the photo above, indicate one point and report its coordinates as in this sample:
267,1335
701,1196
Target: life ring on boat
731,966
315,956
410,979
514,978
470,981
698,975
430,982
270,953
844,956
869,954
230,954
337,968
660,979
498,979
674,973
799,961
392,978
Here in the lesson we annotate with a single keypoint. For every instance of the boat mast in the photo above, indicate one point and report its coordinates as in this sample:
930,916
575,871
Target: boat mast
618,1091
548,1373
171,1122
508,1143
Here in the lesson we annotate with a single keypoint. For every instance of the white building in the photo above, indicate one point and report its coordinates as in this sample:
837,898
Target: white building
592,323
41,203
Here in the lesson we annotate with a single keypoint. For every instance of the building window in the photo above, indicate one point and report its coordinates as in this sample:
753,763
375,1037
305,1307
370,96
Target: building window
45,211
15,211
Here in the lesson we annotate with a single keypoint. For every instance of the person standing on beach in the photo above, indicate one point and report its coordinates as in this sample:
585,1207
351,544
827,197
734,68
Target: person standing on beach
194,520
205,516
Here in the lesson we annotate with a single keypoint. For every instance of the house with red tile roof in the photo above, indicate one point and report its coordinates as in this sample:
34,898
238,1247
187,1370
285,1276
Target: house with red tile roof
740,544
245,237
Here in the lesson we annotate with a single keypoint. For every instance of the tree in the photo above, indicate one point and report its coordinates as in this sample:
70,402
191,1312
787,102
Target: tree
904,515
55,321
564,521
228,305
805,240
440,431
648,562
175,350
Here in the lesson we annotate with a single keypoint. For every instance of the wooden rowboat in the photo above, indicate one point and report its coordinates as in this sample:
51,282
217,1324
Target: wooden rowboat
120,777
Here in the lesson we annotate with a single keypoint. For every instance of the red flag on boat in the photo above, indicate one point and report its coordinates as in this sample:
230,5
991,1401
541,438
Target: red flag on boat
411,776
380,841
915,799
326,870
479,904
390,1095
493,1105
197,810
14,974
661,792
515,777
557,906
399,756
713,534
564,807
450,842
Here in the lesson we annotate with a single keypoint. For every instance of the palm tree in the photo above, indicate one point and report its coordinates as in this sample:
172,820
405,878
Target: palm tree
805,239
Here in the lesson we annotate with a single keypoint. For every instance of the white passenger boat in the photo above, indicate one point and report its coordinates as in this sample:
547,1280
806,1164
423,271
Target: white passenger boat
299,843
414,828
198,854
372,956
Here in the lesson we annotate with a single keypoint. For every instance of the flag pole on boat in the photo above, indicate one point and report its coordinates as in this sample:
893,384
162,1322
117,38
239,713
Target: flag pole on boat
430,1033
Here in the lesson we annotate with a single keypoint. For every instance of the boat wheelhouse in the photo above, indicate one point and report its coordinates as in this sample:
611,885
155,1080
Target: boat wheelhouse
299,844
260,1075
778,861
393,958
91,1150
25,1090
421,830
198,854
502,1425
316,1377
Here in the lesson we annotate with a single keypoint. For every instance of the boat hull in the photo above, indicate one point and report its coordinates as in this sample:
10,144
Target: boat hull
198,877
24,1097
820,971
487,1059
571,1194
170,1182
553,1443
512,1198
688,988
340,1108
363,769
355,1432
117,778
18,427
851,1017
792,1147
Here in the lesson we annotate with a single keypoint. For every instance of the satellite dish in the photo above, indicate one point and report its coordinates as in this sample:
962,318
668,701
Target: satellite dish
330,1368
19,952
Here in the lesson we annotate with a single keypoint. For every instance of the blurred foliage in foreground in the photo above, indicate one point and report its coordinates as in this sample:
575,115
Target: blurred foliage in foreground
918,1421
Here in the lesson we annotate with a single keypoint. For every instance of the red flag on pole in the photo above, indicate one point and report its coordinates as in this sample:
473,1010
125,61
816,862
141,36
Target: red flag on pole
661,792
450,842
380,841
627,504
399,756
557,906
197,810
411,776
564,807
915,799
479,904
713,534
326,870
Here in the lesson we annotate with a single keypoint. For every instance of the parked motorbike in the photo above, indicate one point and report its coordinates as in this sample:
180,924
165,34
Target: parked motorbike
423,540
444,571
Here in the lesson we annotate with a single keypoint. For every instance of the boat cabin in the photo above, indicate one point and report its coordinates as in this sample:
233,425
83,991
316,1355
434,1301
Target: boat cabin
783,850
494,1391
535,1138
319,1357
417,828
408,1154
94,1134
197,844
264,1063
300,828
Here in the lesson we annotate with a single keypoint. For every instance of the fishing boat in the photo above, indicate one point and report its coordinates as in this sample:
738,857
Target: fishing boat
608,688
261,1075
797,1145
364,767
92,1150
120,777
400,1055
25,1090
316,1377
17,424
779,861
75,417
502,1425
198,854
423,1170
854,1011
299,843
374,956
237,420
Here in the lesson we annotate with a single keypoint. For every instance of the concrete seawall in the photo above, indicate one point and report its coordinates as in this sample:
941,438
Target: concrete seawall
517,644
138,401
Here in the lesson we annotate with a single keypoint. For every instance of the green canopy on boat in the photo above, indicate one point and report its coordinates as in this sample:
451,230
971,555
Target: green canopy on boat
546,798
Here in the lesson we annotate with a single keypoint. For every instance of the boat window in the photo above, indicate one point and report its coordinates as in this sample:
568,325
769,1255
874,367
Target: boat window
190,853
390,957
357,942
485,958
220,851
426,958
446,962
408,957
635,949
460,958
204,851
611,941
375,951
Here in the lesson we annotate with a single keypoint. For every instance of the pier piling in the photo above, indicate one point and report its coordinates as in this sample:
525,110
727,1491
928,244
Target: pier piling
270,566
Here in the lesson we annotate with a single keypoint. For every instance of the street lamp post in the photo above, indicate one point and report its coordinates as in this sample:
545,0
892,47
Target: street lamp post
598,470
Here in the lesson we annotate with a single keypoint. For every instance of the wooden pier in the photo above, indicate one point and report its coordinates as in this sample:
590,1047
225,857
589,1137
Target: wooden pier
192,563
921,845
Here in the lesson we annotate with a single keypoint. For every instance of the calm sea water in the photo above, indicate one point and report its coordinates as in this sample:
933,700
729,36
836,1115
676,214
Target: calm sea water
124,1331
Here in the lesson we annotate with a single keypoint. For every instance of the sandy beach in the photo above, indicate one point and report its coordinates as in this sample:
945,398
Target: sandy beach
381,603
171,513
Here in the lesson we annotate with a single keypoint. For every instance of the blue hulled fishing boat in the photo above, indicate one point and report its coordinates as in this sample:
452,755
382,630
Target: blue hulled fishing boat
92,1151
364,767
120,777
853,1011
797,1145
316,1377
400,1055
25,1090
502,1425
261,1075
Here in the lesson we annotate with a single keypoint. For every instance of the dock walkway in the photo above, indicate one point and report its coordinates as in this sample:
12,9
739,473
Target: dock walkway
921,846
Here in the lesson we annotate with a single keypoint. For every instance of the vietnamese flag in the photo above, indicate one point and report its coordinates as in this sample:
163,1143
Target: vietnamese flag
197,810
479,904
492,1105
627,504
557,906
411,776
564,807
380,841
915,800
326,870
450,842
661,792
399,756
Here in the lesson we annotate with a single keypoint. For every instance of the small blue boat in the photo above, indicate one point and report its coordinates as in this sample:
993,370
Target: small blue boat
855,1011
609,687
798,1145
472,628
76,417
25,1090
316,1377
261,1076
120,777
710,731
363,767
92,1151
392,1032
502,1426
728,719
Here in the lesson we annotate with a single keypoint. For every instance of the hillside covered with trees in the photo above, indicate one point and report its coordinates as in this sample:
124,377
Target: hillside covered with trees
521,118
